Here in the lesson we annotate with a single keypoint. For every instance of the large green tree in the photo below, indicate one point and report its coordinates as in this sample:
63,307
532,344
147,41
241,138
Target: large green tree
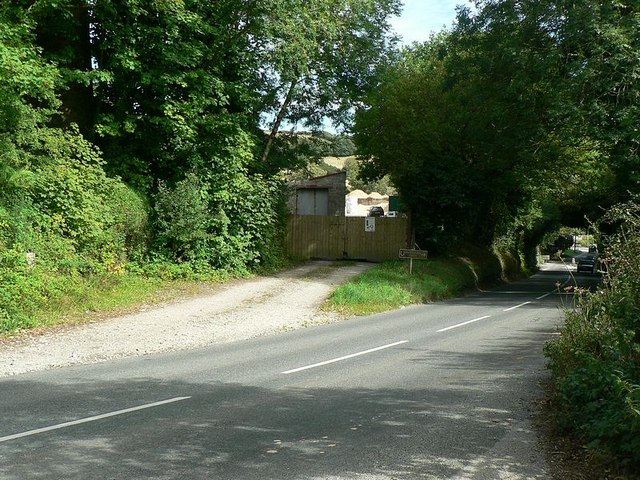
51,179
27,96
588,151
455,132
600,96
177,93
519,118
149,79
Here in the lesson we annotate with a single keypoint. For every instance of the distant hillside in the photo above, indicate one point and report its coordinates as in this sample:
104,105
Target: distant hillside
338,162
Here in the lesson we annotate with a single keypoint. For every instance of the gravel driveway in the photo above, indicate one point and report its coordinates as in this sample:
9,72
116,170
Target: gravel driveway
239,310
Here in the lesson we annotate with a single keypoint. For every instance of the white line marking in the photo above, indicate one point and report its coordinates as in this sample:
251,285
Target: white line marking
463,323
517,306
545,295
89,419
343,358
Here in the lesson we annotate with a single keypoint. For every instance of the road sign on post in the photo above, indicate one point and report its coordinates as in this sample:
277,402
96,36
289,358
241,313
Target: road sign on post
411,254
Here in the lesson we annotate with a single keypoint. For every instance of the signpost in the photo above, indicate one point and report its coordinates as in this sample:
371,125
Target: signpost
411,254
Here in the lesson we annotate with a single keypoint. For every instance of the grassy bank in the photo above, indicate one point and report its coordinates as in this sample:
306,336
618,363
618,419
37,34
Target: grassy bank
55,299
389,285
106,297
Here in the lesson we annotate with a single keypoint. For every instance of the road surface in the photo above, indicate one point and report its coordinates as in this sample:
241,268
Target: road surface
438,391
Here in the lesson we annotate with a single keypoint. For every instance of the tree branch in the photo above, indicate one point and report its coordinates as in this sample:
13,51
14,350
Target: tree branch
279,118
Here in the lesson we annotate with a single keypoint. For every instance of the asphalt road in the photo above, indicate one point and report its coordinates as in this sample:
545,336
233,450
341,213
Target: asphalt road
434,391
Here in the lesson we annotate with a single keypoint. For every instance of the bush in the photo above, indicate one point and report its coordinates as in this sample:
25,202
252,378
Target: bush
183,221
75,222
235,227
20,294
73,190
596,360
130,212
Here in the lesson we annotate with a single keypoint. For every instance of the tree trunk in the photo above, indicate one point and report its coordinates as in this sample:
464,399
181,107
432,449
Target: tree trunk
278,121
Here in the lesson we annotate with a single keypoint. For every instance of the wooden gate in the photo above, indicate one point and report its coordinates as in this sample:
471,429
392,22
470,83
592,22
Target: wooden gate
311,236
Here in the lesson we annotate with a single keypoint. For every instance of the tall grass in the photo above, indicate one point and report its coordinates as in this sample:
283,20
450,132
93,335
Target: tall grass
389,285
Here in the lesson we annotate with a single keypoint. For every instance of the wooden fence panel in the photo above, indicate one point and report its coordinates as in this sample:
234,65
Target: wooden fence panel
345,237
311,236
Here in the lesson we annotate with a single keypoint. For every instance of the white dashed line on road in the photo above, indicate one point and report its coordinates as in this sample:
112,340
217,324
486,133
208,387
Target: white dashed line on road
463,323
517,306
344,358
89,419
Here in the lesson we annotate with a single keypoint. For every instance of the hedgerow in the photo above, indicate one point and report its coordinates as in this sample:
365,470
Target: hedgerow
596,360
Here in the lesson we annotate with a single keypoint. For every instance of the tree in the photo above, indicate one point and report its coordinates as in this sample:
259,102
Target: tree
319,58
588,150
27,97
515,121
176,85
53,188
455,135
600,46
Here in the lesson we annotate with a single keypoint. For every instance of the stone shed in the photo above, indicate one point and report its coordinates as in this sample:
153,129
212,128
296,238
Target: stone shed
323,195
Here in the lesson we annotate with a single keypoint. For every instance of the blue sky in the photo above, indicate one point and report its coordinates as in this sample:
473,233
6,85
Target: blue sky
421,17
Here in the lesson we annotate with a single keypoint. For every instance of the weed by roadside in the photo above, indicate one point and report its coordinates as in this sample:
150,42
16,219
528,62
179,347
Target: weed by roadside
566,455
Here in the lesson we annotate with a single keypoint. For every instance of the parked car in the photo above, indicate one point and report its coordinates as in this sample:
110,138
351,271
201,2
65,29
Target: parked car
392,213
376,212
588,262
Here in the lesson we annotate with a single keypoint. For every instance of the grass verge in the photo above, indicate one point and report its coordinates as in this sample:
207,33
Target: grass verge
389,285
84,299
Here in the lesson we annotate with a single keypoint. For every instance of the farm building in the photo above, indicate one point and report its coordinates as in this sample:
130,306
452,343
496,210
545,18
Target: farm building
324,196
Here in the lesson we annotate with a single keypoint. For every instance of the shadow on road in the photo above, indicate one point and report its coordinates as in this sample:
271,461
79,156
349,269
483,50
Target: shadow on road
234,431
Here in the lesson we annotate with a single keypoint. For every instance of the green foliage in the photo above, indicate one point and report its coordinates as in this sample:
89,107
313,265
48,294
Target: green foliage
130,213
334,145
71,187
383,186
183,221
556,242
601,97
26,98
233,227
596,360
320,55
61,217
99,128
453,137
293,151
513,123
297,151
20,293
484,263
